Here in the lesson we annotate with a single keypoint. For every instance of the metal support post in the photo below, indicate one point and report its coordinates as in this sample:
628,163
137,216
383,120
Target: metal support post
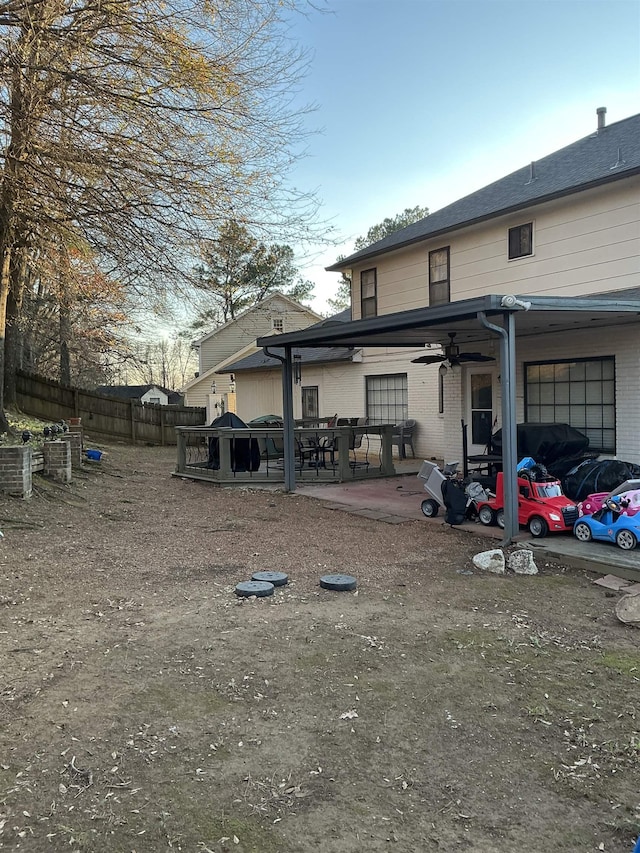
287,415
509,432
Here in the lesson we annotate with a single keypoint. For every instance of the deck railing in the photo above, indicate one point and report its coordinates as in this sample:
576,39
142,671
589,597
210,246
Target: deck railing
322,454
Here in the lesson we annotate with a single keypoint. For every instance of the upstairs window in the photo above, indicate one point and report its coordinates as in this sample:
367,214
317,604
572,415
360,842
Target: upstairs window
439,292
521,241
368,294
277,323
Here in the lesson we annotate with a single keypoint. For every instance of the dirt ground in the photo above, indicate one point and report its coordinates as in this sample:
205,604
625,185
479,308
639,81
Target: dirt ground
145,707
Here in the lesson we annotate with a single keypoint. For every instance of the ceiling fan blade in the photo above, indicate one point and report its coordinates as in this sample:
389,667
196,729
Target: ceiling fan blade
428,359
474,356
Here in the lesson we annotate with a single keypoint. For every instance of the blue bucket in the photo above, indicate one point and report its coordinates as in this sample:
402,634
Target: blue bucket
93,454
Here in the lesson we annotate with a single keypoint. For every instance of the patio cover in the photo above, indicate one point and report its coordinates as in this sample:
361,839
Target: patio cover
473,320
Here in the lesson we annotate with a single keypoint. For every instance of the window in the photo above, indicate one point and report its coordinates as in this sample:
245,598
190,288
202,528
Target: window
521,241
310,406
277,324
387,398
580,393
439,277
154,400
368,294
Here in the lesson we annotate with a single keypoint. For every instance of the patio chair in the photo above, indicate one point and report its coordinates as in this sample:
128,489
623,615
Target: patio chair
355,442
402,435
313,452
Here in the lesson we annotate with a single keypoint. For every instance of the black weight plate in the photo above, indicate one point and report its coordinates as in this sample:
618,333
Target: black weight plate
339,583
276,578
259,588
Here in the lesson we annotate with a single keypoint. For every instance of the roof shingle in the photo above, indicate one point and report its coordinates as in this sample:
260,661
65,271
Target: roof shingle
611,153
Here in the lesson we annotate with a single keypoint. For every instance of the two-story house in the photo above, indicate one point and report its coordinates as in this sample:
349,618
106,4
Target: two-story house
276,314
563,235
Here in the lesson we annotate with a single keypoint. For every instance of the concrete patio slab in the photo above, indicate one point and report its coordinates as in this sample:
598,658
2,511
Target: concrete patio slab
400,498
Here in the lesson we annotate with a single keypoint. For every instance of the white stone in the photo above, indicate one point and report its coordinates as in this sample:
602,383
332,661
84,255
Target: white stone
490,561
628,610
522,563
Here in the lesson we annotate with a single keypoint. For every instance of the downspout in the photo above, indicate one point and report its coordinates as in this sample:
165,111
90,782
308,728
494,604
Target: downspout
287,415
509,432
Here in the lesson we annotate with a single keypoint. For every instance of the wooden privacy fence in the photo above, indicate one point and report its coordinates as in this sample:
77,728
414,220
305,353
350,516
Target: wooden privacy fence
103,416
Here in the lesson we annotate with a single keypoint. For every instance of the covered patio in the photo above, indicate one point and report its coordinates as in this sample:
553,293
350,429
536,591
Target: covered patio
474,321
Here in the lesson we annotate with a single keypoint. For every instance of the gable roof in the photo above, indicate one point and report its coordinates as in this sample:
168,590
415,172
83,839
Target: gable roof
609,154
257,306
319,355
208,374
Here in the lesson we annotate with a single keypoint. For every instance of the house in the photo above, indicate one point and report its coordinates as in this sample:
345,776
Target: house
546,259
216,389
320,377
142,394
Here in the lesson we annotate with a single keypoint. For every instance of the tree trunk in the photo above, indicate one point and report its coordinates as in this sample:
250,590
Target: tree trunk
64,325
13,331
4,293
65,336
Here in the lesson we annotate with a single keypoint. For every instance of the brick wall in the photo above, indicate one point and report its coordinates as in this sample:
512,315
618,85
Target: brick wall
74,438
18,464
15,471
57,460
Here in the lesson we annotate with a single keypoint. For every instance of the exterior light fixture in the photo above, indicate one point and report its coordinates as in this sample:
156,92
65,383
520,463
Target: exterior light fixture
297,368
213,387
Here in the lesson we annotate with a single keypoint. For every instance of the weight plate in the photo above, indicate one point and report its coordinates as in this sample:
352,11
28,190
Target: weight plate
258,588
276,578
339,583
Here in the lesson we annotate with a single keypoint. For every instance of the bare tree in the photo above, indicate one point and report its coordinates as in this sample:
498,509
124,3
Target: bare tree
135,128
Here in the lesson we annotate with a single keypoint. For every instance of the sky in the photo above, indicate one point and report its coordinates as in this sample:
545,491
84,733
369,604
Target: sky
420,102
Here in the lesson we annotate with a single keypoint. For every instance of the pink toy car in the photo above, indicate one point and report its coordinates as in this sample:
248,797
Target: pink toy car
628,492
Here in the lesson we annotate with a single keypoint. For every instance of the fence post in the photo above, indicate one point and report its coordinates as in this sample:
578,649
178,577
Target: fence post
181,441
162,426
132,404
386,462
224,444
344,463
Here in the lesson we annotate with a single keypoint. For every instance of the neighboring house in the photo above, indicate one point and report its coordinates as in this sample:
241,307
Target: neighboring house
565,226
142,393
320,386
276,314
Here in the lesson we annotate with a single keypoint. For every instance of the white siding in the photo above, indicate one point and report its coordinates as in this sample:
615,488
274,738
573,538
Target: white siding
254,323
583,244
621,342
235,337
342,390
156,394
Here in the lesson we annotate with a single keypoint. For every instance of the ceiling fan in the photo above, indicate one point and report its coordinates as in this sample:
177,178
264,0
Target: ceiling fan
452,354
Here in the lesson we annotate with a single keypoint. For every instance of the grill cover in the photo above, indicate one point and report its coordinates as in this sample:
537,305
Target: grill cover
546,443
245,452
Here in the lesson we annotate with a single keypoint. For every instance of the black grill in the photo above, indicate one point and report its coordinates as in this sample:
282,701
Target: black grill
569,515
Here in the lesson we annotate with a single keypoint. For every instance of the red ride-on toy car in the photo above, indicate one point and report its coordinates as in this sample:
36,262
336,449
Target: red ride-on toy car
542,507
